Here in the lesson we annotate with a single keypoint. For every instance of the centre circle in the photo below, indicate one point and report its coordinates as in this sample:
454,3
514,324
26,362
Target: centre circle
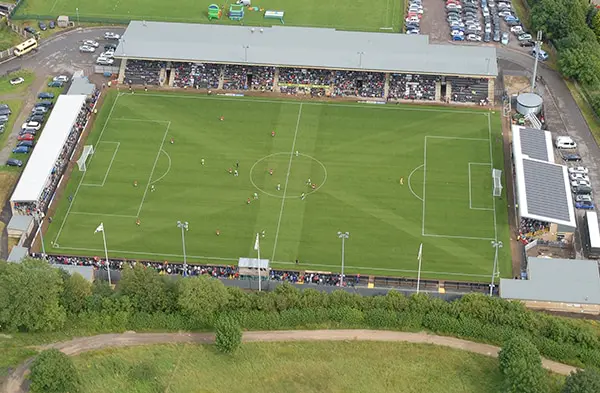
280,175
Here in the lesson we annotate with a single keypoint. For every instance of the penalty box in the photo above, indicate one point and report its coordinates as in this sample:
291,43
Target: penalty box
458,197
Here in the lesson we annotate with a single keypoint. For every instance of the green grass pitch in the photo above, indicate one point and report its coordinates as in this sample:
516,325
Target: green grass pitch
357,155
366,15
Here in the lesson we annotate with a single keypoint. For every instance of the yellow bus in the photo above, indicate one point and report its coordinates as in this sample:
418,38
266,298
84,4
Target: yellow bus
25,47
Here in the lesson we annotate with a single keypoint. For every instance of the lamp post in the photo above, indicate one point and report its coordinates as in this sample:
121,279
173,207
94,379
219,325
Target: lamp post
497,245
184,227
77,12
39,217
343,236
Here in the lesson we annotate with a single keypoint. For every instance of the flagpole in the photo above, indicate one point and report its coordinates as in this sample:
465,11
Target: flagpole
258,250
419,271
106,255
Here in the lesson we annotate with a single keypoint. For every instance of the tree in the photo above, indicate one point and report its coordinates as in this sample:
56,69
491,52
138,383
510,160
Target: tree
287,296
583,381
30,296
521,364
202,296
75,294
146,289
581,63
53,372
228,335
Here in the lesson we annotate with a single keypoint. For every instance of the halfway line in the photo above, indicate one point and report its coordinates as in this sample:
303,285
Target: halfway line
287,179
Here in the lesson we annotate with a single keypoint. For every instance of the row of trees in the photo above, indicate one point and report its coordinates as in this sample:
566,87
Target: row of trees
37,298
574,28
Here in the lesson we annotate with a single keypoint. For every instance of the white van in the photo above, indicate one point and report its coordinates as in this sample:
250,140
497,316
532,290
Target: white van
565,142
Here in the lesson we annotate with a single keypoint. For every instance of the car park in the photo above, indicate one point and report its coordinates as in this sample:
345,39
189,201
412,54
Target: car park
87,49
55,84
14,162
579,169
21,150
17,81
45,95
111,36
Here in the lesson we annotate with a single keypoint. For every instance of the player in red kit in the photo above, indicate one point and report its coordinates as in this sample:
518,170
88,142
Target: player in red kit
273,133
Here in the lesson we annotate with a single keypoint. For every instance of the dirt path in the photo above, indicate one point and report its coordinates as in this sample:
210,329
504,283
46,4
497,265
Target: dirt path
80,345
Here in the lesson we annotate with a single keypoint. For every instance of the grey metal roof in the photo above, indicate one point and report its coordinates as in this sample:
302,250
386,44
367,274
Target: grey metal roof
556,280
19,222
86,272
543,183
303,47
81,86
17,254
533,143
530,100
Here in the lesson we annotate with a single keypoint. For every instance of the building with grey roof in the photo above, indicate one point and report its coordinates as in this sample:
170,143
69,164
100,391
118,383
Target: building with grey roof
303,47
81,85
17,254
19,225
86,272
570,281
543,188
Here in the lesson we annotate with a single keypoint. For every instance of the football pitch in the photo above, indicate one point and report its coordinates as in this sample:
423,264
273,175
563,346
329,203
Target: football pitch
365,15
393,176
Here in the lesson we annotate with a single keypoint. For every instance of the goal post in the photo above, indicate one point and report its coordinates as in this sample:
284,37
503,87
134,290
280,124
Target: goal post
497,179
87,151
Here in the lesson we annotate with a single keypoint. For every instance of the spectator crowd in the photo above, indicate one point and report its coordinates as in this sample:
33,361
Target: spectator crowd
306,81
530,230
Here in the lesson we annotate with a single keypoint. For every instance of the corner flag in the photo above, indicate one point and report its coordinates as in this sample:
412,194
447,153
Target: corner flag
256,243
100,228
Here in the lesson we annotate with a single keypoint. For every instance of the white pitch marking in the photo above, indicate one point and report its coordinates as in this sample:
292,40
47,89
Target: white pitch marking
153,168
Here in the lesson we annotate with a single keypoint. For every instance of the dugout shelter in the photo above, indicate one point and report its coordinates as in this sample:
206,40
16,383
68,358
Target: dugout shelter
458,71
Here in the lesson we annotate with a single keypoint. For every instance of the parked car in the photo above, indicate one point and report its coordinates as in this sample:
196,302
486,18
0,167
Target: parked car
413,31
61,78
578,176
42,26
583,198
14,162
565,142
105,60
473,37
458,38
582,190
571,157
584,205
26,137
46,103
518,29
87,49
487,37
21,150
25,143
37,117
55,84
90,43
109,53
2,127
5,111
32,124
541,54
526,44
45,95
17,81
504,39
578,169
525,37
28,131
110,47
51,24
30,30
496,36
581,183
109,35
3,118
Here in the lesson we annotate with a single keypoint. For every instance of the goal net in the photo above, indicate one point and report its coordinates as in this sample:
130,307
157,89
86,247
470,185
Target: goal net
87,151
497,177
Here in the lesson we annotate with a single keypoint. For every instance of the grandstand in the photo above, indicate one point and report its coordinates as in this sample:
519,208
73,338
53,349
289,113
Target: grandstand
297,60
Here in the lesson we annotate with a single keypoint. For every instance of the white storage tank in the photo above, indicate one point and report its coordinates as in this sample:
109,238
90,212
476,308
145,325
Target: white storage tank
529,103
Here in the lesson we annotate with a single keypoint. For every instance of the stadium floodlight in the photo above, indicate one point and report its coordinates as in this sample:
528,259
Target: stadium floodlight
497,245
39,217
343,236
87,151
497,178
184,227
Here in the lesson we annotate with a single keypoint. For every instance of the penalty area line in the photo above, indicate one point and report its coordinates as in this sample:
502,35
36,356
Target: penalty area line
153,168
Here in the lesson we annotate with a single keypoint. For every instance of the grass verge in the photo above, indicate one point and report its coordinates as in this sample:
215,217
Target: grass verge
586,110
7,88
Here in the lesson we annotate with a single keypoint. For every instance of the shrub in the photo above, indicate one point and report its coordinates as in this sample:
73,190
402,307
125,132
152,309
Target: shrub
228,335
53,372
521,364
583,381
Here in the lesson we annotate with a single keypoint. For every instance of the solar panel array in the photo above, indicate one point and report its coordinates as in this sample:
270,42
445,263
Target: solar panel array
545,188
533,143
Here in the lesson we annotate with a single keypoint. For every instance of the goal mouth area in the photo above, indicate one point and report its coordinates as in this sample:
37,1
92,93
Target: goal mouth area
497,178
88,150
